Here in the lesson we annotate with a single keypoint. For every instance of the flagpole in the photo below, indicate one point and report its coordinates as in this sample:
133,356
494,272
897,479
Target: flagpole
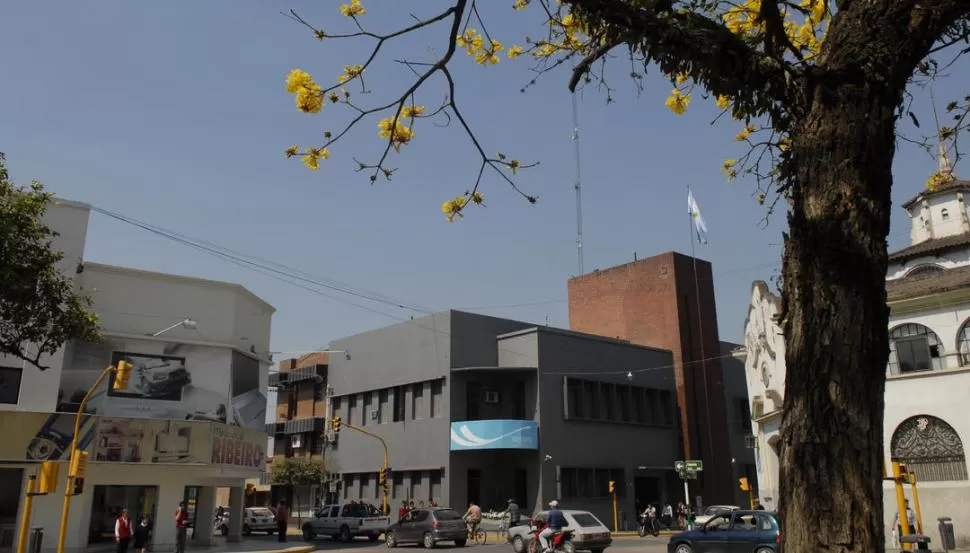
700,327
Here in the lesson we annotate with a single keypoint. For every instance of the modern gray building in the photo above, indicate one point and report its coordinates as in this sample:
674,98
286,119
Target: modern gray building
482,409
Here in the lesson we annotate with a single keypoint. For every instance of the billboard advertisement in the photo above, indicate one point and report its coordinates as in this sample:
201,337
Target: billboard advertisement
494,434
169,381
151,441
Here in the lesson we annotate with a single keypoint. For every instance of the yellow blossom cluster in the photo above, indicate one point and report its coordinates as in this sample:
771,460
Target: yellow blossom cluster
412,111
484,49
453,208
396,131
350,72
520,5
938,179
309,95
311,156
745,133
729,169
352,9
678,101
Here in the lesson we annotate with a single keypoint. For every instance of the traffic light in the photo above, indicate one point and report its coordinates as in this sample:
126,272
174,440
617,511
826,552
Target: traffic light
744,485
383,477
122,374
48,477
612,486
903,473
79,464
78,486
336,424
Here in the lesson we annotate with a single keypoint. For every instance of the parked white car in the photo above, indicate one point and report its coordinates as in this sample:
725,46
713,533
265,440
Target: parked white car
345,522
589,533
712,511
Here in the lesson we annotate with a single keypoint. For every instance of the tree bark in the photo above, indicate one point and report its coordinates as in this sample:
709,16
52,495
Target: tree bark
836,320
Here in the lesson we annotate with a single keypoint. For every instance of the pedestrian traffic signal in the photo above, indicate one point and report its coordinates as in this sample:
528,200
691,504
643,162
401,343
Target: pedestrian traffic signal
78,486
336,424
744,484
48,477
612,486
122,374
383,478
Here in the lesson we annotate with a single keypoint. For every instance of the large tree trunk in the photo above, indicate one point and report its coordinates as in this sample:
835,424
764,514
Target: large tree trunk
836,322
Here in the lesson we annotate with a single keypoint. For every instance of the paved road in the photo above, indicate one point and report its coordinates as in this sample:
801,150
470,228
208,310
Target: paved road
268,543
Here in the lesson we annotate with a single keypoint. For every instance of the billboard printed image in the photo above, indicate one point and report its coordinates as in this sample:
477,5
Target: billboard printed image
151,441
168,381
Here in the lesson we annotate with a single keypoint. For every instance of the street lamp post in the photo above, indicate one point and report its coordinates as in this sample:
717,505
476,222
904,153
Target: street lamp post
188,323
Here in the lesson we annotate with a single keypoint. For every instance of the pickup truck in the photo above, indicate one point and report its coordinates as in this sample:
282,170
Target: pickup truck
346,521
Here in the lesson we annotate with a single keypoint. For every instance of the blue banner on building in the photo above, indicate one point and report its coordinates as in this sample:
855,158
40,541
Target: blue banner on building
494,434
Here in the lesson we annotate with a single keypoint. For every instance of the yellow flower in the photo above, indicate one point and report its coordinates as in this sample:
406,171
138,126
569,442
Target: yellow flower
677,102
722,102
309,100
729,170
333,98
486,58
352,9
520,4
313,155
350,72
939,179
745,133
514,52
298,79
784,144
478,197
729,163
681,78
292,150
412,111
453,207
545,50
514,164
401,134
497,46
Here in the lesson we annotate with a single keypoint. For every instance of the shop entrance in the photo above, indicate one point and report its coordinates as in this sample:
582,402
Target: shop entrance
108,502
11,483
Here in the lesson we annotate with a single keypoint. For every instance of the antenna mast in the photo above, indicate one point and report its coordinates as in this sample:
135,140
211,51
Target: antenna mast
577,185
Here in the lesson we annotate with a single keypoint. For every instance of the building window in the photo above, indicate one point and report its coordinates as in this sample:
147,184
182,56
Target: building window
744,412
367,406
397,492
623,400
591,390
417,401
666,408
930,448
435,486
944,214
382,404
352,410
926,269
10,378
399,404
639,409
436,399
963,343
606,390
574,398
590,483
914,348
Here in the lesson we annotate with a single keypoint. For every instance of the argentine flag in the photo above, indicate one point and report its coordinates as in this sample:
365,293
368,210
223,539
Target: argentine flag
695,214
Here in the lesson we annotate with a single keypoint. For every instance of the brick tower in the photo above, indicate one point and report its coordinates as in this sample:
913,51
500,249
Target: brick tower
654,302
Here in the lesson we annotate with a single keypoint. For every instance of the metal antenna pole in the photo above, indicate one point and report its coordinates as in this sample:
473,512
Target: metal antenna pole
578,187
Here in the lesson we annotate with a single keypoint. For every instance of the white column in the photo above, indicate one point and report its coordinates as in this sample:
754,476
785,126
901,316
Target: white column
163,531
205,509
236,495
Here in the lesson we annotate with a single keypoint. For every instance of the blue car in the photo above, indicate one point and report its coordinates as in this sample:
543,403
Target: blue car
734,532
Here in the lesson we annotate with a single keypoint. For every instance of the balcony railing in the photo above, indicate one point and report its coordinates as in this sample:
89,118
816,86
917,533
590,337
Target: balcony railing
284,378
298,426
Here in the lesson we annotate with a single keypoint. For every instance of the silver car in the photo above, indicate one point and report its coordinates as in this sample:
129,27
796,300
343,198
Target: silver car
428,527
255,519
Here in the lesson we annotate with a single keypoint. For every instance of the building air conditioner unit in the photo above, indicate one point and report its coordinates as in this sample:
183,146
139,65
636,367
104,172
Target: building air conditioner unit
296,441
491,397
375,414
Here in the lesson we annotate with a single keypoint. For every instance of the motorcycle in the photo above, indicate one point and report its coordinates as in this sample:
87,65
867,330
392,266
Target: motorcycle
560,542
651,526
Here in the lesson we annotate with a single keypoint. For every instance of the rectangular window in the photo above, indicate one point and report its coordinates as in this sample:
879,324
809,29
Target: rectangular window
382,404
574,398
367,407
639,405
666,408
353,411
10,378
652,412
417,401
587,483
569,479
914,354
744,411
435,486
518,401
398,489
591,391
416,484
436,399
623,397
609,400
399,404
348,484
336,406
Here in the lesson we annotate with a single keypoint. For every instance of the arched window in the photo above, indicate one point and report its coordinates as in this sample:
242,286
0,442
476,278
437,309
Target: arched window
963,343
924,270
914,348
931,449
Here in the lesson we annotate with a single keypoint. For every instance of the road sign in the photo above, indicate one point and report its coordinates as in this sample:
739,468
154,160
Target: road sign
679,466
694,465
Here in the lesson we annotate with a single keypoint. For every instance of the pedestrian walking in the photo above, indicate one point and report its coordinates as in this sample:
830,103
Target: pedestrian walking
142,535
282,520
123,531
181,527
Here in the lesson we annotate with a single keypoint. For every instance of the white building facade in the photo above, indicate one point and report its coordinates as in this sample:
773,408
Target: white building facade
928,375
191,420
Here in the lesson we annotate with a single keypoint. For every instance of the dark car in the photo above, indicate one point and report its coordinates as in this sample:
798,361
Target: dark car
733,532
428,527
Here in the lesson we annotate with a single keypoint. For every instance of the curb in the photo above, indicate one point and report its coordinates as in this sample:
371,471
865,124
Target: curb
300,549
631,534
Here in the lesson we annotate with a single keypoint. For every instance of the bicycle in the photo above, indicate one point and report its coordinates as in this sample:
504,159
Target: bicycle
503,530
478,536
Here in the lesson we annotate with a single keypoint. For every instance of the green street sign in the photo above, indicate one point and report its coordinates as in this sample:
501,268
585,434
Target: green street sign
679,466
694,465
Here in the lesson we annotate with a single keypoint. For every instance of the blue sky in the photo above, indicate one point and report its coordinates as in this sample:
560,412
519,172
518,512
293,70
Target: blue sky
175,113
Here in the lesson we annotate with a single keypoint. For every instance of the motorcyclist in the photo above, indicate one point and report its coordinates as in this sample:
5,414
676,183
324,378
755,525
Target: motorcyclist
650,517
555,522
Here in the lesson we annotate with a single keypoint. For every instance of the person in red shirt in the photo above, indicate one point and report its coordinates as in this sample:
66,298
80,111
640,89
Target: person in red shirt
123,531
181,527
282,520
402,511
